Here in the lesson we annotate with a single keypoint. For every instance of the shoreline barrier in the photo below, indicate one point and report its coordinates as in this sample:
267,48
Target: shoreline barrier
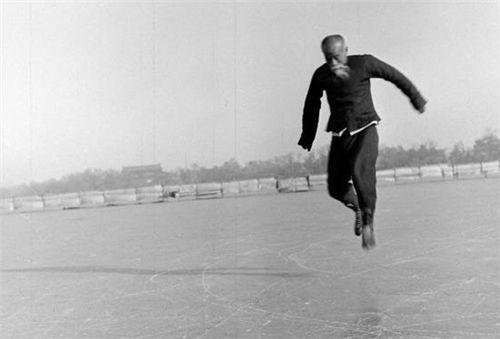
267,185
406,173
288,185
120,196
317,181
491,168
285,185
187,192
31,203
434,173
92,199
149,194
248,186
209,190
170,192
467,170
217,190
230,189
300,184
7,204
64,201
388,175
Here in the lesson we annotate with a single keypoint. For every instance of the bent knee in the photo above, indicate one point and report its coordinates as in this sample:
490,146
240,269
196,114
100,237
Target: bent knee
336,192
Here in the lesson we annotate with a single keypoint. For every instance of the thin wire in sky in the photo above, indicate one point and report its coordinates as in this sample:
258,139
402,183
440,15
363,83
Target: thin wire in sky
2,173
235,84
155,68
30,89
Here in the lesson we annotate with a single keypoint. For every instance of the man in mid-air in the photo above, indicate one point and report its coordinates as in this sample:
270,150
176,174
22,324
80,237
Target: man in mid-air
353,120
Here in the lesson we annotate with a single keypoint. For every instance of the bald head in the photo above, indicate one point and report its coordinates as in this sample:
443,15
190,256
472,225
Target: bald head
332,40
335,49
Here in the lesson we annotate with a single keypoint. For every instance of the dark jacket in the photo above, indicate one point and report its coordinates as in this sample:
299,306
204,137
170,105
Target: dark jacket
350,100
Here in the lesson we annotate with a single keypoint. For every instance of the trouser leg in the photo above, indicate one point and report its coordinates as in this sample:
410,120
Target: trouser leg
364,177
340,173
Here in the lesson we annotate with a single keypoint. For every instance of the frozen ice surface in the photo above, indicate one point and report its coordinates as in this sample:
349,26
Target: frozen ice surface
280,266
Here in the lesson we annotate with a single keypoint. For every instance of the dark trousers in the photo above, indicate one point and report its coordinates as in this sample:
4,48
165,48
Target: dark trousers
353,157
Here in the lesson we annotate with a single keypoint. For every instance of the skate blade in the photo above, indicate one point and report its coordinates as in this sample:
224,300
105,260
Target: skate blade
357,231
367,239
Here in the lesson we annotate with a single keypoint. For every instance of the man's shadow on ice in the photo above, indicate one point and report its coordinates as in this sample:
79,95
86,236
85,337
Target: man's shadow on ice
230,271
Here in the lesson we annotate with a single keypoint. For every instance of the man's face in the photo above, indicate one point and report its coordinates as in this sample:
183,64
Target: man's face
335,53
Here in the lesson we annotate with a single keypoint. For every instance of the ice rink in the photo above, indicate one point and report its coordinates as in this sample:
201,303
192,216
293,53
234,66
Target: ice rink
276,266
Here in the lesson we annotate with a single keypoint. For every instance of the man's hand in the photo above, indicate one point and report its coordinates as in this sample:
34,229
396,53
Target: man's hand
306,148
420,104
305,144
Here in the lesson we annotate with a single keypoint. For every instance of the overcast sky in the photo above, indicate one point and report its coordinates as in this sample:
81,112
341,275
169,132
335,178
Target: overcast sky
122,83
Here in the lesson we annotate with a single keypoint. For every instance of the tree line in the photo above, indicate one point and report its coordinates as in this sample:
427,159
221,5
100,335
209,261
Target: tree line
484,149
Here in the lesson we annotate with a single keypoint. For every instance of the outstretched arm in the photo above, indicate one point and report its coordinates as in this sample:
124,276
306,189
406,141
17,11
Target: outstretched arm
310,114
379,69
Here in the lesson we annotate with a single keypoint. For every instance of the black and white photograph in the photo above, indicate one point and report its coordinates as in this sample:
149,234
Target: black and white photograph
249,169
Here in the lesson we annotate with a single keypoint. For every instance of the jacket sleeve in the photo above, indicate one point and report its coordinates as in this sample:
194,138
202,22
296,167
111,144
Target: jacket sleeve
379,69
310,114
